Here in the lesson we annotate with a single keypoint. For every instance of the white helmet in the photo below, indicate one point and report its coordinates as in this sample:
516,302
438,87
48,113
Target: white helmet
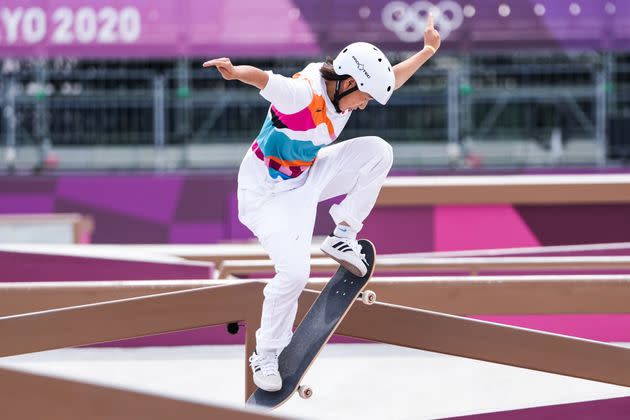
370,69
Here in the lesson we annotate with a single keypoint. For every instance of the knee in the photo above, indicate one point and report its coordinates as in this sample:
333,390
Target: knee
388,154
299,274
382,150
290,280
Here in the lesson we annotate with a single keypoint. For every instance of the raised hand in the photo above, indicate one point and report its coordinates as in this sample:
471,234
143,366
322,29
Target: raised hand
225,67
431,35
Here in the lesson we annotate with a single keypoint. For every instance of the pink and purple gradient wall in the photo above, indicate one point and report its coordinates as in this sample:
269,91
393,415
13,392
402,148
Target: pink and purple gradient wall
202,208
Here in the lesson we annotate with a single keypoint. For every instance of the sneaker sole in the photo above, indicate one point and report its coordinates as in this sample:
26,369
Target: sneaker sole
351,268
268,390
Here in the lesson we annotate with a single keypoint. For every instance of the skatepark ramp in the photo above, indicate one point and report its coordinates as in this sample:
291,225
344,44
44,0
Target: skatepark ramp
381,322
513,189
42,315
469,265
25,262
30,396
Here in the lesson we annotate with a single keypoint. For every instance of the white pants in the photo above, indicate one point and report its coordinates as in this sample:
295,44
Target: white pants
282,216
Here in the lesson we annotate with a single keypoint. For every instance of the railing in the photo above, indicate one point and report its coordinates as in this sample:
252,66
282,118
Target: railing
469,265
40,316
381,322
27,396
457,295
217,253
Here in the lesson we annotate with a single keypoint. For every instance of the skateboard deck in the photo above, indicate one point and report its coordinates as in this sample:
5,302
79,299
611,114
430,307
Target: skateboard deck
315,330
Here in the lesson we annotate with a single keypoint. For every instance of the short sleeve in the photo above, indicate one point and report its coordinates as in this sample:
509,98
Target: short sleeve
286,94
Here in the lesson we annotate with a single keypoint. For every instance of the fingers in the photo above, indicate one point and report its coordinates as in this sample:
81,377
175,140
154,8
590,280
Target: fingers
430,21
217,62
223,65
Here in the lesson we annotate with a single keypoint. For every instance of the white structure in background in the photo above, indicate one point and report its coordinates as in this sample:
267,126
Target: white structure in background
45,228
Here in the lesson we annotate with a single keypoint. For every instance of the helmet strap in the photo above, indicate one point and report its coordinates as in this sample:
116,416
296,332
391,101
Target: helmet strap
339,95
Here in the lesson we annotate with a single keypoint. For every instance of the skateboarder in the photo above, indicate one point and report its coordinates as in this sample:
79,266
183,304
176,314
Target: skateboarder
293,164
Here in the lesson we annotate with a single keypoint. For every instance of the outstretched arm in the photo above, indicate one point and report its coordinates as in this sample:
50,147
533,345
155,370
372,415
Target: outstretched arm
246,74
405,69
287,94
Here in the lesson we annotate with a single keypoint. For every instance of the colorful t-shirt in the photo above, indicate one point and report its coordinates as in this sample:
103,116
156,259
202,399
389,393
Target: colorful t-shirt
300,121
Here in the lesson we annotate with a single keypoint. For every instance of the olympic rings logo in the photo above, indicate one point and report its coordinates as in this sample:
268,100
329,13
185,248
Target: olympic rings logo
409,21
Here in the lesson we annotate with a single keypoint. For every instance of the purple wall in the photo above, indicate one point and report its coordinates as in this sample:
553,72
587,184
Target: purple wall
133,28
27,267
609,409
142,208
201,208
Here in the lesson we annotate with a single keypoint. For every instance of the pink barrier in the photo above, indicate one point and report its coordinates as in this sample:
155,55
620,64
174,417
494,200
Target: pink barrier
23,266
609,409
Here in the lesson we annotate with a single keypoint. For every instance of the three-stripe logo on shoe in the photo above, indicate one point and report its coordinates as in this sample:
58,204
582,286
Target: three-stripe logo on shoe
344,247
364,261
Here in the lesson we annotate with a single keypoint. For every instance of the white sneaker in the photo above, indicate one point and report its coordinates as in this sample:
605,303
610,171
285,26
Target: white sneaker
265,368
346,252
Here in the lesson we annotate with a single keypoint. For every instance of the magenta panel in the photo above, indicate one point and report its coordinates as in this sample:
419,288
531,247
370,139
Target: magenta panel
27,267
480,227
598,327
608,409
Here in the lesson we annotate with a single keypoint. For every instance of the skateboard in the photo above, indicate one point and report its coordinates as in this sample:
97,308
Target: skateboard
315,330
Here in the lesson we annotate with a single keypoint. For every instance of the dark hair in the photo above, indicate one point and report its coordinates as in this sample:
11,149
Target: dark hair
328,71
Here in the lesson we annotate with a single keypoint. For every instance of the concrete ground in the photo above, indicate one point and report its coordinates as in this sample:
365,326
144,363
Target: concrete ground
350,381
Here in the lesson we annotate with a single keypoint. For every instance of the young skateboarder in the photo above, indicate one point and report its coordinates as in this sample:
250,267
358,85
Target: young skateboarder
294,163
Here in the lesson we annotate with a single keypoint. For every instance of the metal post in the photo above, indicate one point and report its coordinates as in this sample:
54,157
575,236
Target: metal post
452,103
9,115
182,120
183,109
42,133
601,108
465,92
158,120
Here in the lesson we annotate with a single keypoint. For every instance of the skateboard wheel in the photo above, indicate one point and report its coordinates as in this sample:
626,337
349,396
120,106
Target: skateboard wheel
305,392
368,297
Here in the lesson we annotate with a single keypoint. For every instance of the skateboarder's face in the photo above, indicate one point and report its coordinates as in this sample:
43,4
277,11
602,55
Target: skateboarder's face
354,101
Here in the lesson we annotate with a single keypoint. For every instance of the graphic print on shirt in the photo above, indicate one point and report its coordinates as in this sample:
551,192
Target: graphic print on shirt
288,142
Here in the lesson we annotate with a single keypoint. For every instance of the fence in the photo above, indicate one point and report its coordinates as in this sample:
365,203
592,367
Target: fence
546,99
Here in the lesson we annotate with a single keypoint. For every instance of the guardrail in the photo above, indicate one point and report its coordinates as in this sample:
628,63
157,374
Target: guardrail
381,322
458,295
470,265
27,396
